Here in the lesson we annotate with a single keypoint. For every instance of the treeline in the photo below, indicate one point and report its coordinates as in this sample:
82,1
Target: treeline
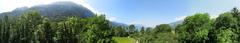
31,27
198,28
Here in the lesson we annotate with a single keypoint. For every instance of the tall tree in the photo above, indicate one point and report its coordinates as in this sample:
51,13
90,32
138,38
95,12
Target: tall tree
163,28
194,28
132,29
223,22
142,30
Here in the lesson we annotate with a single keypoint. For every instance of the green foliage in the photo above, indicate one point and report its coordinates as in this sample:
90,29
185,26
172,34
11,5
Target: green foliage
142,30
161,37
225,23
163,28
124,40
160,34
131,29
200,29
225,36
194,29
119,31
225,20
31,27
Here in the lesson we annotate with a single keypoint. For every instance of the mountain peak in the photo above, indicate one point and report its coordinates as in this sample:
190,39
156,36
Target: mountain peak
64,2
57,9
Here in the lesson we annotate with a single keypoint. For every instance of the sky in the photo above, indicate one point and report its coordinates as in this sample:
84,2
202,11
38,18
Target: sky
142,12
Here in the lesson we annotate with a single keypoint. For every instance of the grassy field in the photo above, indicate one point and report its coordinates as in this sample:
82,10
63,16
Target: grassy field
123,40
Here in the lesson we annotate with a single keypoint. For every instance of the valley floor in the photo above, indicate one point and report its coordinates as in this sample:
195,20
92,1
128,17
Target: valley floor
124,40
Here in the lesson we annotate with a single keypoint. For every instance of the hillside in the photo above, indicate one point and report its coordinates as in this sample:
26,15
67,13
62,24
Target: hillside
55,10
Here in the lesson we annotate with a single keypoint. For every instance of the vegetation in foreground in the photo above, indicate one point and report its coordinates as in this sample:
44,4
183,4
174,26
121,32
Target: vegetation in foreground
124,40
31,27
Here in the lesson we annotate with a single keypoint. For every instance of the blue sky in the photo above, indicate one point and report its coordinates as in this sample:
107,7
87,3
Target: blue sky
145,12
153,12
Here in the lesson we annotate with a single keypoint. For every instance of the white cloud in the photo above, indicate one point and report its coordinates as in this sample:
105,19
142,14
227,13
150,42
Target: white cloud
112,18
214,16
85,4
180,18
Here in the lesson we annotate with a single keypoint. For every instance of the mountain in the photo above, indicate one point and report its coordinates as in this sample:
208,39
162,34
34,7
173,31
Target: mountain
138,26
117,24
15,12
58,10
55,10
174,24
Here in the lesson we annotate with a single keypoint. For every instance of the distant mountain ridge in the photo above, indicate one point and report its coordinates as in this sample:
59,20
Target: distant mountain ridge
175,24
55,10
58,10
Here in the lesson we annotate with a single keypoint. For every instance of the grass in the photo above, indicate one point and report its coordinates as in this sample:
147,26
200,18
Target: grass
123,40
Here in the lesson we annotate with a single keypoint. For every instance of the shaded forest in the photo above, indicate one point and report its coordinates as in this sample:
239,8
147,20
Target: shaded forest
31,27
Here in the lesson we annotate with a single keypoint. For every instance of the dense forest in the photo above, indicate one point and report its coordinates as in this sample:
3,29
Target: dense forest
31,27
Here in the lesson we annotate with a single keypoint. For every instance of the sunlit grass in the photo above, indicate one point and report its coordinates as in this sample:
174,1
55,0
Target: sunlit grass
123,40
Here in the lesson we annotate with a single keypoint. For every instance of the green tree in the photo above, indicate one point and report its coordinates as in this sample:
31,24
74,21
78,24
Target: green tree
98,30
226,20
223,22
45,31
236,14
194,29
5,31
119,31
225,36
163,28
142,30
132,29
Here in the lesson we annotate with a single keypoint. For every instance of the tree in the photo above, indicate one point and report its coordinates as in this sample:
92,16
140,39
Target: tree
163,28
131,29
6,25
225,21
235,12
225,36
98,30
119,31
45,33
142,30
161,34
194,29
29,22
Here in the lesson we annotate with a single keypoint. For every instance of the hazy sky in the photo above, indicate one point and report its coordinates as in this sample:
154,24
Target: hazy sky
145,12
